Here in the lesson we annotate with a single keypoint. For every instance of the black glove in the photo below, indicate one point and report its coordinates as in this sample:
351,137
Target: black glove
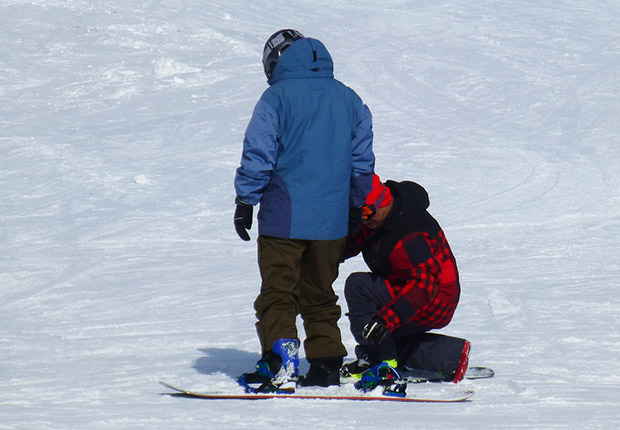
243,218
375,331
355,220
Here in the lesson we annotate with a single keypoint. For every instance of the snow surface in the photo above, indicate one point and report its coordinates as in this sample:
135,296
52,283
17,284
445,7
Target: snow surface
121,125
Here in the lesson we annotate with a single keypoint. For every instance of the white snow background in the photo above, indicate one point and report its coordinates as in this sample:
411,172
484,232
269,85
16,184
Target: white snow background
121,125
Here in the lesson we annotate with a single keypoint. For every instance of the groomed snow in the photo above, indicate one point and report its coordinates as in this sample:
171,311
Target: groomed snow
120,130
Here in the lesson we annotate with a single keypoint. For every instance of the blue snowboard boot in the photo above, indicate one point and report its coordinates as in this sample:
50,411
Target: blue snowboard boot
276,372
287,376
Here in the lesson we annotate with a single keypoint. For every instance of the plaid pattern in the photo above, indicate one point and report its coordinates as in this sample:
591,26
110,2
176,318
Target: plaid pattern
411,254
425,292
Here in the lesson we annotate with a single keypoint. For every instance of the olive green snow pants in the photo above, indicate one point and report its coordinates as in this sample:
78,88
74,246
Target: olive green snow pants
297,278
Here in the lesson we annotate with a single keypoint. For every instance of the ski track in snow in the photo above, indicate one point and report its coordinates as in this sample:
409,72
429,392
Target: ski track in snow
121,127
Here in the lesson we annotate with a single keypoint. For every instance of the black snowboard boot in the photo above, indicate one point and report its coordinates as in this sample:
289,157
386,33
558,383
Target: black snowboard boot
323,372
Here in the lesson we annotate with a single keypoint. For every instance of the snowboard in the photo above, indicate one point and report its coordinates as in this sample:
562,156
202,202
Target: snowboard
414,376
457,396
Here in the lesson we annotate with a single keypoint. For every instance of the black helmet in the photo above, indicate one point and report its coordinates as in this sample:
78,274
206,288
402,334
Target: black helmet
275,46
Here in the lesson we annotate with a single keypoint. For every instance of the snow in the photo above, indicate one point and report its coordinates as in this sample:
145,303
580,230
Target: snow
120,129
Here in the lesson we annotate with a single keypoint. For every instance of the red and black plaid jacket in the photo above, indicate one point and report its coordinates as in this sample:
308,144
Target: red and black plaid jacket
411,253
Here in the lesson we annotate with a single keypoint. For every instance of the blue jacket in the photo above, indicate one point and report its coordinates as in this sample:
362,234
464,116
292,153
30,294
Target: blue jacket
307,152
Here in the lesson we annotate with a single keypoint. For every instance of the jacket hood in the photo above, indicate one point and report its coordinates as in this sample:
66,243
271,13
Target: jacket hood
411,197
305,58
